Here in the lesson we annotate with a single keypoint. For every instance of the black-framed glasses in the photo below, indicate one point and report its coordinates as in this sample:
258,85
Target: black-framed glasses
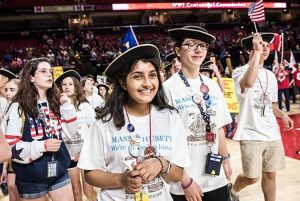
194,46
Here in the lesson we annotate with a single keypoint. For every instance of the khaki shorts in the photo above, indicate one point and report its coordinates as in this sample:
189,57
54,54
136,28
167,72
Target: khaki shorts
259,156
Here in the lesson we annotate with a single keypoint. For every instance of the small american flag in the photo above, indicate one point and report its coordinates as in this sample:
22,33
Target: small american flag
256,11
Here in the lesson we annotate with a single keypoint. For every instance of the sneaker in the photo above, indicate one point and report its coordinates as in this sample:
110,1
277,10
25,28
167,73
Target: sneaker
233,197
4,188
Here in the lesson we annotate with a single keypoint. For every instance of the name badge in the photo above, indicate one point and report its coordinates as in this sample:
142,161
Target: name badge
213,164
52,169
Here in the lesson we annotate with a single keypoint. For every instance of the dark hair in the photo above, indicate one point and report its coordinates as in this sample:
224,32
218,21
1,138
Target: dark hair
177,43
90,76
82,83
28,95
78,97
113,108
106,94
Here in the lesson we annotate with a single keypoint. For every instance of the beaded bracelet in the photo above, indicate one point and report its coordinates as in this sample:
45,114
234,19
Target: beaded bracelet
188,184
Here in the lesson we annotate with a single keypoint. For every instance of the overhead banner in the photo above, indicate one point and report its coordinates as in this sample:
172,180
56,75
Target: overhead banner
58,9
193,5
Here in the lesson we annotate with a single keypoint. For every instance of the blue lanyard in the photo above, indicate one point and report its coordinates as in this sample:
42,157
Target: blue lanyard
196,99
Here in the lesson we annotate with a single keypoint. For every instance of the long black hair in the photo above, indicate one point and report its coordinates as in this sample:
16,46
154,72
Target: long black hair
113,108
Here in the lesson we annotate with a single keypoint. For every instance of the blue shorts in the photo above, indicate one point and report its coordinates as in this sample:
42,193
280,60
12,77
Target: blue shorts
28,190
73,164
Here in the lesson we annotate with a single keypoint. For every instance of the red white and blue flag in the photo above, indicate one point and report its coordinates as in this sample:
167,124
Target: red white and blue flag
256,11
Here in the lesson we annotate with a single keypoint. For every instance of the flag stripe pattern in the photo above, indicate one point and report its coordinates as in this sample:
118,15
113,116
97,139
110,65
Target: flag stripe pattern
256,11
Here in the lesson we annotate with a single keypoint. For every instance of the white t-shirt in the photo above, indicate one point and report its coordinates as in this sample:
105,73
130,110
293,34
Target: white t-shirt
3,106
252,125
95,90
192,119
85,117
108,149
95,100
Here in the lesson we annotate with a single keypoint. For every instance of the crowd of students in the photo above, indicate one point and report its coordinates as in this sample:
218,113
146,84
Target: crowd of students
155,137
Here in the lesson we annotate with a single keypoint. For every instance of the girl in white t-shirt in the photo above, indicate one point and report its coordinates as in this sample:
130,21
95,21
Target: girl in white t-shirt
69,83
11,88
138,143
203,111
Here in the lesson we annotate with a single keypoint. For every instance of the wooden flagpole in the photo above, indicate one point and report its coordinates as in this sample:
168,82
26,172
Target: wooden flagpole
255,27
282,48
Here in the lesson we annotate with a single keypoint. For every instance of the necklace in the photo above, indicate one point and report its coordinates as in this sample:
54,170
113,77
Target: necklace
264,92
48,122
209,135
134,148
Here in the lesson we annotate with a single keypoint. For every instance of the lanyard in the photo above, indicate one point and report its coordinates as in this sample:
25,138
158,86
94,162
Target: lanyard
49,123
135,139
264,91
210,137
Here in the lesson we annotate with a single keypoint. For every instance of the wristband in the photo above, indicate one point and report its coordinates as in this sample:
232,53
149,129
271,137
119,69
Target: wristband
169,167
162,167
188,184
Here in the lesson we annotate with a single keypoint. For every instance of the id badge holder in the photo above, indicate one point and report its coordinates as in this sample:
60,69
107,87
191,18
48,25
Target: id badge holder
52,168
213,164
141,196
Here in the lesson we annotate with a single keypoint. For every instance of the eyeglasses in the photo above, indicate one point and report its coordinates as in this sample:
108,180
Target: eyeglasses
45,72
32,64
194,46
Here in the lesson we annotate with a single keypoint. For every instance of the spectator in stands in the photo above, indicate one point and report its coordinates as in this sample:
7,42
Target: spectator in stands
203,111
137,118
69,83
36,123
259,135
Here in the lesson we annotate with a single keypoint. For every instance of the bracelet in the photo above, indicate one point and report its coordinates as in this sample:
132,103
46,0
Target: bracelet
188,184
162,167
45,145
169,167
226,157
